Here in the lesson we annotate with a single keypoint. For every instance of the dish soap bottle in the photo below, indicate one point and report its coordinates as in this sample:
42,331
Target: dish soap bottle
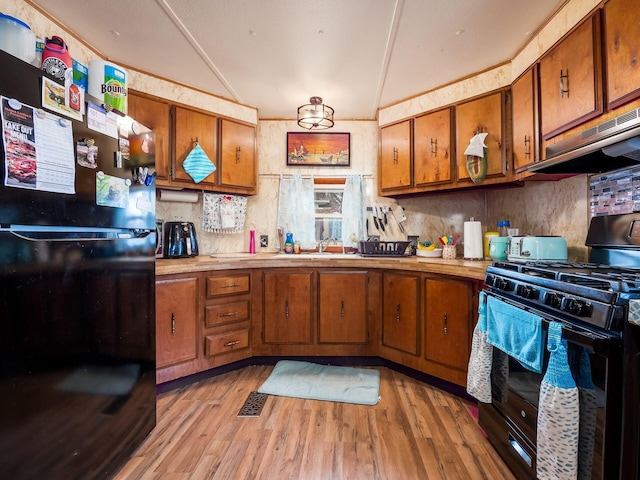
288,243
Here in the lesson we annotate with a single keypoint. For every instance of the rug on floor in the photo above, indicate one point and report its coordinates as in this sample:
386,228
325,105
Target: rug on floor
312,381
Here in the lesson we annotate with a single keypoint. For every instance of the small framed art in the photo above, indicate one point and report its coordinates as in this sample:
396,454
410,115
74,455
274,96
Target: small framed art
318,149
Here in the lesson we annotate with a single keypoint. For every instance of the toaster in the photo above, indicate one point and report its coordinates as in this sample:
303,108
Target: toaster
180,240
537,248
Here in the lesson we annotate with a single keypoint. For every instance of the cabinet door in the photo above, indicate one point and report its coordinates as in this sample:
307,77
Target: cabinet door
237,155
483,115
449,305
524,136
342,310
192,126
287,307
401,305
432,148
156,115
622,40
395,156
570,87
176,321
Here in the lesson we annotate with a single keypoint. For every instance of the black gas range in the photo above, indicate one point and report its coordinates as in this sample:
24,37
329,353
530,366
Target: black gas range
598,304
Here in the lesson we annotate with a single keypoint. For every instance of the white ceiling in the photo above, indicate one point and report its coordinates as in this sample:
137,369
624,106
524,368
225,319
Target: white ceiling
358,55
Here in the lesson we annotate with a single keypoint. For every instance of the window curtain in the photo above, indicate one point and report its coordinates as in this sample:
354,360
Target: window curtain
296,210
353,211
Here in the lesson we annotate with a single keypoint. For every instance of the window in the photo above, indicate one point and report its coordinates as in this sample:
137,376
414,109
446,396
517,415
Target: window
328,211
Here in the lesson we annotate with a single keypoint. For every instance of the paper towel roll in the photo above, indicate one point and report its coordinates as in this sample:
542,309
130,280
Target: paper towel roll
107,83
178,196
473,240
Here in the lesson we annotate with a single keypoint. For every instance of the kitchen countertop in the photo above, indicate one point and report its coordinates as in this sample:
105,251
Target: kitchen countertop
473,269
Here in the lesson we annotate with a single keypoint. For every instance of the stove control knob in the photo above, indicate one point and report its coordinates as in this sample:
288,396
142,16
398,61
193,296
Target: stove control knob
553,300
574,306
527,291
503,284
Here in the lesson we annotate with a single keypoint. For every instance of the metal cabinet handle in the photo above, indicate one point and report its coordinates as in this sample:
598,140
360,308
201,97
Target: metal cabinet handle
173,324
395,155
434,147
527,146
231,344
231,285
286,308
398,313
445,324
564,77
238,154
342,308
229,314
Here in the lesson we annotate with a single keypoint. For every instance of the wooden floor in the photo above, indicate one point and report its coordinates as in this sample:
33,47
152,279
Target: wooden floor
414,432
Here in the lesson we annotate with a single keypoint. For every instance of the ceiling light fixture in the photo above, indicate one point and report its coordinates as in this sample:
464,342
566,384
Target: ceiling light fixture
315,115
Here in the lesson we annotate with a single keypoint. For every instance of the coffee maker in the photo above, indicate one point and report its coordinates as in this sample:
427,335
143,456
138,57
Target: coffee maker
180,240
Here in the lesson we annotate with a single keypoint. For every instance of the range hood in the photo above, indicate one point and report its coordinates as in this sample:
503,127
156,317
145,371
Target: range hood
612,145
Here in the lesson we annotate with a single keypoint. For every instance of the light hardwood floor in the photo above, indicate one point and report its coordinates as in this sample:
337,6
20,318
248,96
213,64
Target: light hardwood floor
414,432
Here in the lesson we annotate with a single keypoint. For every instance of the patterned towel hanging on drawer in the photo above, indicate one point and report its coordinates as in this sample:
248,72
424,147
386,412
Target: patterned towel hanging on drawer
197,164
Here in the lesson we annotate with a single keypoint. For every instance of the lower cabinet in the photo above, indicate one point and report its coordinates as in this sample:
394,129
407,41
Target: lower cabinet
448,323
176,321
287,307
401,311
342,307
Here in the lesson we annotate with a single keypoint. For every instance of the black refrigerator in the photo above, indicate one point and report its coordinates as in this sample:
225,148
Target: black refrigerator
77,284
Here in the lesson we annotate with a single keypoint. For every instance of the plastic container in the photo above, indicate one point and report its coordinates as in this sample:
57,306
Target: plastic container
56,58
17,38
288,243
252,241
485,244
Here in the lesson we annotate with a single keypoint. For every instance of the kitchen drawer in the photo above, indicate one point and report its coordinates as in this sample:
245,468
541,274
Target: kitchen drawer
227,285
226,342
226,313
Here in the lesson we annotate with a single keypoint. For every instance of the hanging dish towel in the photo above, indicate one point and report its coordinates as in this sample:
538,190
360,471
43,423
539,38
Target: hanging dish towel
197,164
558,414
479,372
223,213
516,332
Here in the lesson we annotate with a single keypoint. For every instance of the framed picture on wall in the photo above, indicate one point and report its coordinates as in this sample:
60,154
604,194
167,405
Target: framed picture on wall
318,149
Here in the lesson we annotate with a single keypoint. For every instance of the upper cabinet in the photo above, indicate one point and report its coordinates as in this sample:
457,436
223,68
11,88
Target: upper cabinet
490,114
525,132
432,148
237,156
229,144
395,157
570,80
622,43
191,128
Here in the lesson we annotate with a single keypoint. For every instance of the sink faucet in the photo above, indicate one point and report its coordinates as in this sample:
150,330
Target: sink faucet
323,244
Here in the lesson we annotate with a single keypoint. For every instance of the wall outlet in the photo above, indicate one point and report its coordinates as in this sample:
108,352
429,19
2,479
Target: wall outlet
264,240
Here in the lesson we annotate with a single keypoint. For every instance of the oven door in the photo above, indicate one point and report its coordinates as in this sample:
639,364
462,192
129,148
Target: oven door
511,420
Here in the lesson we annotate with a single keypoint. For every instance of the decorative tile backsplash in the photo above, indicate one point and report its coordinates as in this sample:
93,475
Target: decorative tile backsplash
615,193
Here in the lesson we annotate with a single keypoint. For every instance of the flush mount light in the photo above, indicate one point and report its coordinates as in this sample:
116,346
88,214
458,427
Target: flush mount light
315,115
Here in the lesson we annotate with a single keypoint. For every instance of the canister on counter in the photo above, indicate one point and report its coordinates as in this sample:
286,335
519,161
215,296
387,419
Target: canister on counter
486,243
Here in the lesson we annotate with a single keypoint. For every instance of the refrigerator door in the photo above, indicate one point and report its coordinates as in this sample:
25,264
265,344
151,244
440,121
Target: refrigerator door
118,165
77,350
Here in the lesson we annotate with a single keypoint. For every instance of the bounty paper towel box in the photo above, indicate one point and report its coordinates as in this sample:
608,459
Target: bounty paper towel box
108,85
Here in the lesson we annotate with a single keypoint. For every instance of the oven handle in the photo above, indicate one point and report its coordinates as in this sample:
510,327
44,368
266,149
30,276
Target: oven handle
587,338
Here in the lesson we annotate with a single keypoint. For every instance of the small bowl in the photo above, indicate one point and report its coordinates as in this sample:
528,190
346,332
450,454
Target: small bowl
435,253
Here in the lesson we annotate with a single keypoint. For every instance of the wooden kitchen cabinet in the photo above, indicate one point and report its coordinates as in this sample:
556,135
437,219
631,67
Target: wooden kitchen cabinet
288,307
176,320
237,169
190,127
401,311
525,133
571,80
622,43
227,315
342,307
448,322
433,158
395,157
487,114
155,113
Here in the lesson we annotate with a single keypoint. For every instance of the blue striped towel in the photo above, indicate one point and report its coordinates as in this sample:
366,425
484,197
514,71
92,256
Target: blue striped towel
198,165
